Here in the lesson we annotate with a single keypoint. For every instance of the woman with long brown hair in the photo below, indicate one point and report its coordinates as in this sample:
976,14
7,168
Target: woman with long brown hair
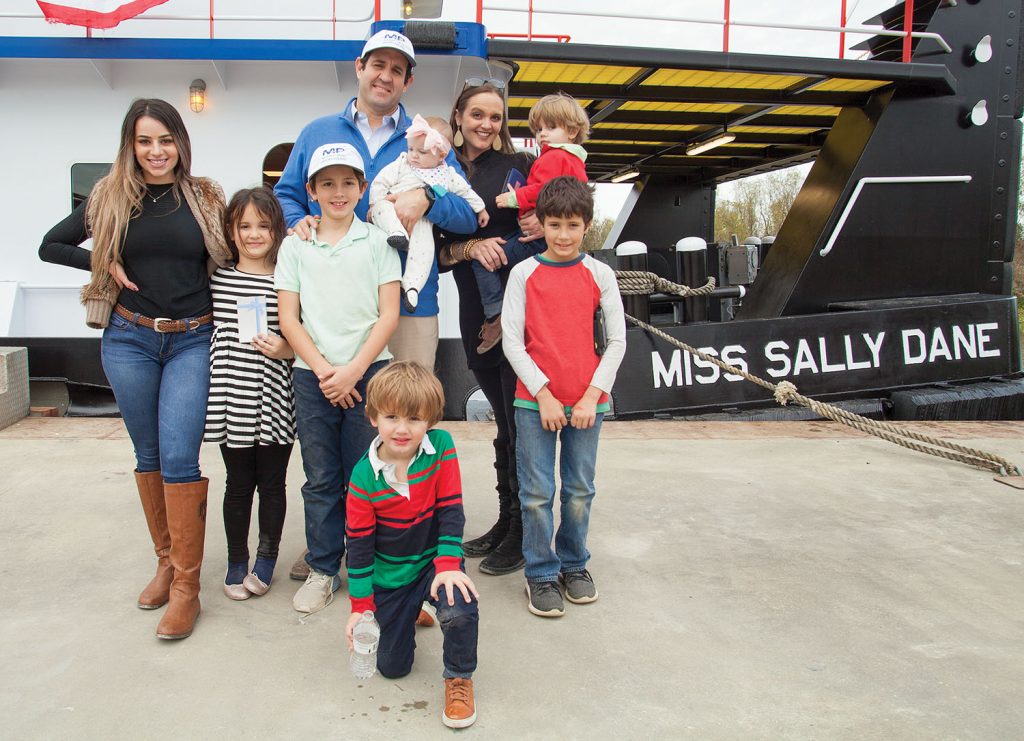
155,229
484,147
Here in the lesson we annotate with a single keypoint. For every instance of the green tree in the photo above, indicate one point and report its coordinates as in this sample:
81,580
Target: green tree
757,205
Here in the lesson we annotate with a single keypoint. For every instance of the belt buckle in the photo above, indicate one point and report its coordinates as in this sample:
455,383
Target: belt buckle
156,325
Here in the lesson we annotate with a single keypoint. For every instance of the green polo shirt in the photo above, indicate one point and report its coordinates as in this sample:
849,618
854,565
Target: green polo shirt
338,287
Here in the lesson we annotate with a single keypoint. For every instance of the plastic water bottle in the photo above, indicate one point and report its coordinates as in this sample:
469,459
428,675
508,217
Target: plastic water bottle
363,659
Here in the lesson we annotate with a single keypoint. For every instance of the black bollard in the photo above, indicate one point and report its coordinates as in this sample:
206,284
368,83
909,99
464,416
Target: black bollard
692,269
633,256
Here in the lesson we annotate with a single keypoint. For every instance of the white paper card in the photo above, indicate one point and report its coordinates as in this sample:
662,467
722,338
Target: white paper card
252,317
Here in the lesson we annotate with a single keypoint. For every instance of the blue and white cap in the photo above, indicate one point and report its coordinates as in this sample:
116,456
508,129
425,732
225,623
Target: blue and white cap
390,40
335,154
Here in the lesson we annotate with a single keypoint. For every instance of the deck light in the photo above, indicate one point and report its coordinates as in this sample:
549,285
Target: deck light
406,8
715,141
624,175
197,95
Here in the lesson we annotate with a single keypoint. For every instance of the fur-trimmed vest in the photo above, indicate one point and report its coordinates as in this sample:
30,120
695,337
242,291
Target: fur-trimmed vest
206,200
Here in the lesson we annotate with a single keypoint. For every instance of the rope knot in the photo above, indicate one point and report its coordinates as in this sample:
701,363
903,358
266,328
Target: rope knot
785,392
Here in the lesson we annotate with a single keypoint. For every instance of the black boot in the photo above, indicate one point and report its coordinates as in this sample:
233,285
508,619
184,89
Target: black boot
492,538
508,556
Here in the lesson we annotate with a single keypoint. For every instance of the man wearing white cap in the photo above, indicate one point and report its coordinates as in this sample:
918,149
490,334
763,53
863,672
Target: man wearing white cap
374,122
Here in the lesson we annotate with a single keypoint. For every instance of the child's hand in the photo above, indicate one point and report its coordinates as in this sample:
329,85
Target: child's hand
482,218
583,414
339,385
450,579
353,621
273,346
502,200
552,411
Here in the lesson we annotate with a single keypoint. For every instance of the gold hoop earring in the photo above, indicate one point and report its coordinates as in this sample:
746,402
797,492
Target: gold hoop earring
496,144
458,140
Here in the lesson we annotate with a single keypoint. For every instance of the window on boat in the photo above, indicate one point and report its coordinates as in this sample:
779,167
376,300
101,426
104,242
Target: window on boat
84,175
274,162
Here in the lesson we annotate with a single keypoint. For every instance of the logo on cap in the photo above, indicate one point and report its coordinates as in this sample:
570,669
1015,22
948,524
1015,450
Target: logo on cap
337,153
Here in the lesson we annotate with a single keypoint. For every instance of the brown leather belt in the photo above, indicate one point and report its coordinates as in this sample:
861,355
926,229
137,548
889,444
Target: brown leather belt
163,325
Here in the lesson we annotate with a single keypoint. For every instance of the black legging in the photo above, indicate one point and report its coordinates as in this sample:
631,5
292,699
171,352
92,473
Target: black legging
266,467
499,386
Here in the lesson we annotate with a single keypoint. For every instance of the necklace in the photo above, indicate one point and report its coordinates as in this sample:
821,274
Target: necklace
154,199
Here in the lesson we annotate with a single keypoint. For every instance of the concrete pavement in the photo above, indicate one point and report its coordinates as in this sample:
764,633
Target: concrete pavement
758,580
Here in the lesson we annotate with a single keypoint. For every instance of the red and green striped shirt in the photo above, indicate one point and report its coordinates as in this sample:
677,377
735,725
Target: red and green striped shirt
391,539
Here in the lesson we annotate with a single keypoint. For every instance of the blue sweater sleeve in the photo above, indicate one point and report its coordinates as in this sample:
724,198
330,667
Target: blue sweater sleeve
291,188
451,212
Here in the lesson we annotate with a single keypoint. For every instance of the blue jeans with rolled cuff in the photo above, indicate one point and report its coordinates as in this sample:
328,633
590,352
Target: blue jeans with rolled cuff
492,292
161,381
397,610
535,464
332,440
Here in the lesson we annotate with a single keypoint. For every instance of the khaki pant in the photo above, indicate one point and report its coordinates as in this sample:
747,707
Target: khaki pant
415,339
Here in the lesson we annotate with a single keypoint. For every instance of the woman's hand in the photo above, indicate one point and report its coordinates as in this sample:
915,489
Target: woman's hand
488,252
531,227
120,277
273,346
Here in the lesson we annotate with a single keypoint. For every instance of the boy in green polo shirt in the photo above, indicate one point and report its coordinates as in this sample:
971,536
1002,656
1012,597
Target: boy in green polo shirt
338,299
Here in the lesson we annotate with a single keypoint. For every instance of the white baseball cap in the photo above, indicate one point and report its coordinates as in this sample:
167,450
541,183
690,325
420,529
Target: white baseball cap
335,154
390,40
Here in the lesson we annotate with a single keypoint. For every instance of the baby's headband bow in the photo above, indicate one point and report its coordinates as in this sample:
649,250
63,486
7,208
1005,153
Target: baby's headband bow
434,140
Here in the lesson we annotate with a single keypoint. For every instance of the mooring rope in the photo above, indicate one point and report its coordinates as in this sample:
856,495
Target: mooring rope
785,392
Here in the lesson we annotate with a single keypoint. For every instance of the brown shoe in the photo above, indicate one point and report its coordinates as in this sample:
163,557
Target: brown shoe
459,707
300,569
186,522
425,619
151,491
490,335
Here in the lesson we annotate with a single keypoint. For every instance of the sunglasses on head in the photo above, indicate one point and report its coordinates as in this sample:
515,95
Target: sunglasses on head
478,81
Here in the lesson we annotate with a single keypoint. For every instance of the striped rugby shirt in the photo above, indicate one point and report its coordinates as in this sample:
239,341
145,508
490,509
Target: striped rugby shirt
392,539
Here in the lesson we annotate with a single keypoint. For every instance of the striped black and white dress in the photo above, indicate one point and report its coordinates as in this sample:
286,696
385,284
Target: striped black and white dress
251,399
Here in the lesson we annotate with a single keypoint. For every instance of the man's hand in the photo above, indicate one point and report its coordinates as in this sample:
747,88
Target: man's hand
410,206
303,228
450,580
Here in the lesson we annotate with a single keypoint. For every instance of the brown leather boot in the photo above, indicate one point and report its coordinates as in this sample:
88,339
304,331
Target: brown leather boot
151,492
186,522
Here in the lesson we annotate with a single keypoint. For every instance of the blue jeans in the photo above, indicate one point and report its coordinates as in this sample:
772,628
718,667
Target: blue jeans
397,610
331,440
535,464
160,382
491,290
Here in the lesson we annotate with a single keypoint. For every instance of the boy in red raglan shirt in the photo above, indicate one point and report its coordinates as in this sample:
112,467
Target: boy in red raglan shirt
404,527
565,370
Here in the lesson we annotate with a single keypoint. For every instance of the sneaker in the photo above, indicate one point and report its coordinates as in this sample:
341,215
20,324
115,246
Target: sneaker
490,335
459,707
316,593
579,586
426,617
399,241
410,300
544,598
300,569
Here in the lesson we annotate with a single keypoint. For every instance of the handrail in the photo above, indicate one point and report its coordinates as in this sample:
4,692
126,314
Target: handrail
907,34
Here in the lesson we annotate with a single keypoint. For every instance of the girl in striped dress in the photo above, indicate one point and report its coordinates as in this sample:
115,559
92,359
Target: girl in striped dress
251,413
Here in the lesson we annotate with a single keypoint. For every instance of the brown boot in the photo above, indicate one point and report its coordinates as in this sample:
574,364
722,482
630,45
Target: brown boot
151,492
186,521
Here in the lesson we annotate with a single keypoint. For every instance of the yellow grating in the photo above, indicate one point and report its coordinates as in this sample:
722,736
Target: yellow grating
806,110
736,80
650,127
850,86
681,107
623,143
514,102
558,73
773,129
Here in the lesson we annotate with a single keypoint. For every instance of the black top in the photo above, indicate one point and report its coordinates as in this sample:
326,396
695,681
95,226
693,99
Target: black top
489,173
163,254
